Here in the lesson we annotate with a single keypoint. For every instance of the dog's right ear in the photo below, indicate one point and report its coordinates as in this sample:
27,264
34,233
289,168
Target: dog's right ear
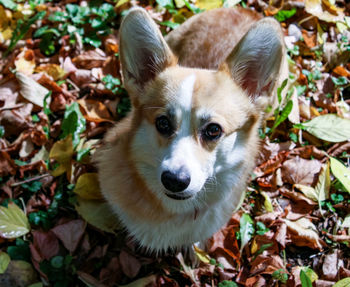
143,50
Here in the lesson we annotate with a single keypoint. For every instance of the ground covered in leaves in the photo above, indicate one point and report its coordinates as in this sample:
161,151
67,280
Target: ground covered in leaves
60,90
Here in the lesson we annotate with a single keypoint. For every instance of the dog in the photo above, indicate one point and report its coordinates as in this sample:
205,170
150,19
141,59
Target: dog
176,167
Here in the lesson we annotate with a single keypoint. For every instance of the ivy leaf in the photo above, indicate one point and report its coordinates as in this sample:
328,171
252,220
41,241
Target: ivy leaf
73,123
341,172
283,15
13,222
246,229
328,127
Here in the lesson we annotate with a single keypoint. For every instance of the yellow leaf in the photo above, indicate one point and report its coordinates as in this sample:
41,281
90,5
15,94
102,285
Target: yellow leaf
13,222
320,34
53,70
209,4
201,254
62,151
98,214
341,172
267,202
88,187
25,62
324,183
121,2
315,8
343,283
255,247
308,191
4,261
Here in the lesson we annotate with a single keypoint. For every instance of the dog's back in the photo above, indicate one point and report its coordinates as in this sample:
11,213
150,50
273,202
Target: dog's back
206,40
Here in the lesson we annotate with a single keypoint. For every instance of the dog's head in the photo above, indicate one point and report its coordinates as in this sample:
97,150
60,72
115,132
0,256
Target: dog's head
193,125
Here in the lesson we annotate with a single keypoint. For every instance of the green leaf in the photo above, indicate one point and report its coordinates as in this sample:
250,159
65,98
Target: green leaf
21,29
4,262
280,275
343,283
280,89
9,4
20,251
341,172
13,222
227,283
73,123
310,273
246,229
283,15
328,127
283,116
57,262
170,24
305,280
2,131
261,228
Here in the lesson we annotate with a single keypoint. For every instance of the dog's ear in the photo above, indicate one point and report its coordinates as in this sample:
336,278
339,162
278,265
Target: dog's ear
143,50
255,61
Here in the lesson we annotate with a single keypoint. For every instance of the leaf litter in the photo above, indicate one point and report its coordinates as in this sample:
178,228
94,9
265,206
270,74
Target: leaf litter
61,89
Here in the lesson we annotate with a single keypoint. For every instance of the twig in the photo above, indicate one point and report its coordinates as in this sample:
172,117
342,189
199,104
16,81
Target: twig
30,179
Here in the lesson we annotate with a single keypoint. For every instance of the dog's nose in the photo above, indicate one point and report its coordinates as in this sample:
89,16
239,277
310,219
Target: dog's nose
177,181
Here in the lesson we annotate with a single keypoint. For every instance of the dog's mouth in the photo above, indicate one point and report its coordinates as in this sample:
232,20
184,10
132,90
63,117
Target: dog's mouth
177,196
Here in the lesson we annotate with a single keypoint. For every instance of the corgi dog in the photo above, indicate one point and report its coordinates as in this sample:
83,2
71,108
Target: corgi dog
176,167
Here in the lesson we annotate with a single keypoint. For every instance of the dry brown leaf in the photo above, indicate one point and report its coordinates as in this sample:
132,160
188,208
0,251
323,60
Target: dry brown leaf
331,265
90,59
341,71
302,171
31,90
304,233
310,38
319,9
16,120
129,264
70,233
95,111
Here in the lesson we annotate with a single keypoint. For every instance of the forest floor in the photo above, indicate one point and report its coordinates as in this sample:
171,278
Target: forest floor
60,90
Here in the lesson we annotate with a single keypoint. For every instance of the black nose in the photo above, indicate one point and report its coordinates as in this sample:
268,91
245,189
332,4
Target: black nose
177,181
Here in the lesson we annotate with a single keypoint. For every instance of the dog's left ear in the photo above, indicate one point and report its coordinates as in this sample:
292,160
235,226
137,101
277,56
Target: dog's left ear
255,62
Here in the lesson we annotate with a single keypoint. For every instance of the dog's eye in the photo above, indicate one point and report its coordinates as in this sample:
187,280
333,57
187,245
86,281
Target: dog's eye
164,126
212,132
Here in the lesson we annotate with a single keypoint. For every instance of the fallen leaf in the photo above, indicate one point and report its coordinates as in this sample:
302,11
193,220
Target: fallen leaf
95,111
70,233
53,70
98,214
62,151
186,269
303,233
246,229
90,59
315,8
129,264
300,171
4,261
328,127
13,221
31,90
19,273
341,172
201,254
25,62
209,4
87,186
343,283
310,38
45,244
331,265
